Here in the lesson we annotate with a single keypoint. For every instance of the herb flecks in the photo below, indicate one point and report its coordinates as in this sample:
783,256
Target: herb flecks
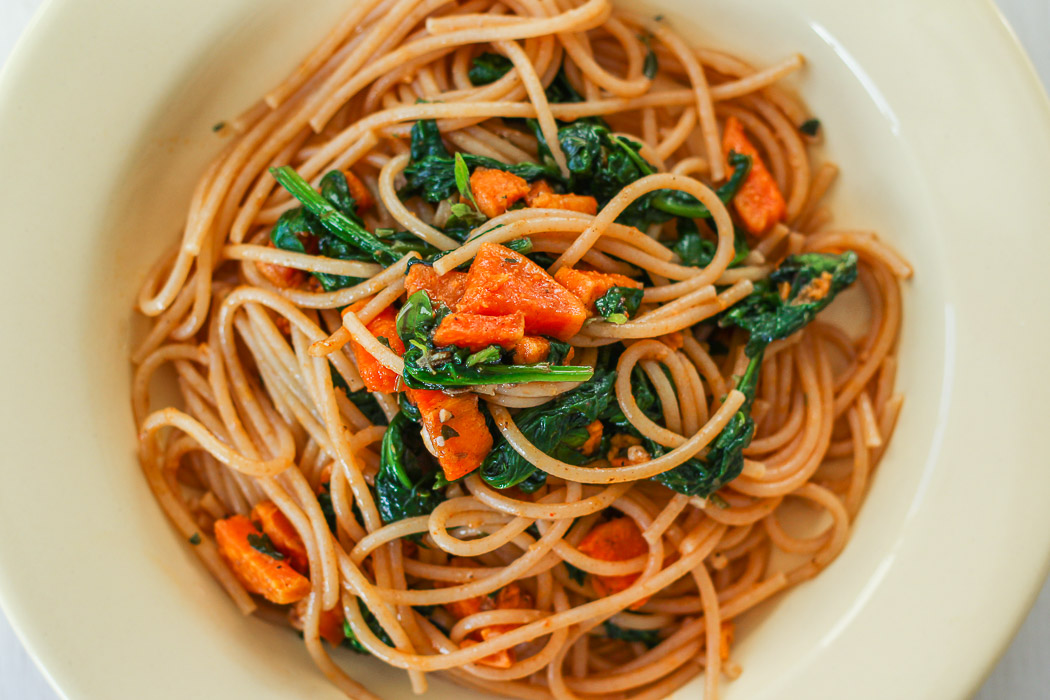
263,545
810,127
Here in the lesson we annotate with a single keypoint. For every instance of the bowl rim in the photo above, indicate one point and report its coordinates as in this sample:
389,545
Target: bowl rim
944,678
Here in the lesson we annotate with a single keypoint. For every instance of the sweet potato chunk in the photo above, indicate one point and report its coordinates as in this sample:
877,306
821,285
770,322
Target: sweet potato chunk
262,574
531,349
538,189
467,606
329,624
445,289
281,276
594,438
589,286
281,532
674,340
496,191
725,639
510,597
502,281
456,430
758,202
476,332
615,540
376,375
361,194
541,196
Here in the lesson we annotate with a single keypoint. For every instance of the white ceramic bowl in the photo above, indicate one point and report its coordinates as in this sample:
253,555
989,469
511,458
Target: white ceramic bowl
943,136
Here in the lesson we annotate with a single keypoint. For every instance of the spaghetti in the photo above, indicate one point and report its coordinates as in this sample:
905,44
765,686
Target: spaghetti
495,329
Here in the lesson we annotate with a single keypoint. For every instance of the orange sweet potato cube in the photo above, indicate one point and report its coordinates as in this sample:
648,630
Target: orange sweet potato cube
758,202
476,332
456,429
541,196
262,574
496,191
615,540
502,281
282,533
444,289
531,349
361,194
589,285
376,375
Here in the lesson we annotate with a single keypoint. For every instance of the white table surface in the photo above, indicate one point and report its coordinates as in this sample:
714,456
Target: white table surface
1022,674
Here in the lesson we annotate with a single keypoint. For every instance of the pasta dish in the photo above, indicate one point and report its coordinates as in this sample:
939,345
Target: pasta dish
498,341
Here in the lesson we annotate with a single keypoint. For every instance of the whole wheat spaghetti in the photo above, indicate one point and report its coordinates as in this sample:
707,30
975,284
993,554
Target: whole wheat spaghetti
495,326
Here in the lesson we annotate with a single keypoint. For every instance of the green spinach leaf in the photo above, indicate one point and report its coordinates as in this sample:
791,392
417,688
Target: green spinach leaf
431,174
650,638
619,304
557,427
351,641
695,250
811,281
263,545
404,485
780,305
685,205
488,68
333,219
431,367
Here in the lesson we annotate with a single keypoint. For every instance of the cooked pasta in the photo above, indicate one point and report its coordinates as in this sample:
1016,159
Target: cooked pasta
496,338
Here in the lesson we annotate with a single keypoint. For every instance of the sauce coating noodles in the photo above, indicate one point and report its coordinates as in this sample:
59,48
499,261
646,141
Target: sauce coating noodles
604,573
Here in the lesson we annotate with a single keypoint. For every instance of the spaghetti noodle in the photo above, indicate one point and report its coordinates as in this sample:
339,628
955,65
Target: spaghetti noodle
495,329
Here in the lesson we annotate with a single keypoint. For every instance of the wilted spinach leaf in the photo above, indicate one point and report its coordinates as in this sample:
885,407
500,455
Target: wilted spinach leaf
619,304
351,641
557,427
404,484
488,68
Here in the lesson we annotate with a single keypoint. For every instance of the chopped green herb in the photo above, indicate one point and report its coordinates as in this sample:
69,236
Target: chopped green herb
519,245
195,539
447,431
484,356
463,179
651,65
650,638
576,574
810,127
718,501
263,545
324,499
619,304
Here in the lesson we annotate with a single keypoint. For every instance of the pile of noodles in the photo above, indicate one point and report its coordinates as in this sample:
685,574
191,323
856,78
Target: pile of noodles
260,419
